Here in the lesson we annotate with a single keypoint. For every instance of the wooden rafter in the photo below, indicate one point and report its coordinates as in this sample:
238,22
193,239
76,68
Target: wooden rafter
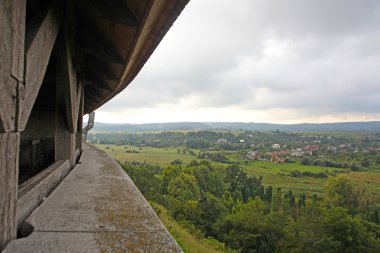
115,11
37,58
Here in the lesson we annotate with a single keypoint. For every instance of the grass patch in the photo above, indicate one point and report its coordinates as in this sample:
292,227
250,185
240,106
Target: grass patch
160,156
278,176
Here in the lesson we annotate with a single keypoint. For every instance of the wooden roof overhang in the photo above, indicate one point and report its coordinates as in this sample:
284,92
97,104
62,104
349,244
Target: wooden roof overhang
114,39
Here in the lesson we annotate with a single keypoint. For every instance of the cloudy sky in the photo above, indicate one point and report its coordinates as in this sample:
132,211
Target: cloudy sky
279,61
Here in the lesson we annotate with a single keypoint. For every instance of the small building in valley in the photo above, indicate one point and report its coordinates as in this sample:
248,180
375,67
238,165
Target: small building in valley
253,155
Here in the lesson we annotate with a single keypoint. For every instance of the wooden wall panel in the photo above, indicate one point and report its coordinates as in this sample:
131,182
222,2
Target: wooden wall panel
8,85
9,153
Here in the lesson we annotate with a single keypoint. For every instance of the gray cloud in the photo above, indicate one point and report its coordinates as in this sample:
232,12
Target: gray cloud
315,56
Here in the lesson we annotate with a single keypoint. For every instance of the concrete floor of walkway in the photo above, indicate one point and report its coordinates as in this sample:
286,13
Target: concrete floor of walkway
96,208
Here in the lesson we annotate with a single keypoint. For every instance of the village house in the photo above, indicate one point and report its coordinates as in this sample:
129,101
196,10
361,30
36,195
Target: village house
312,149
277,159
297,152
253,155
276,146
260,145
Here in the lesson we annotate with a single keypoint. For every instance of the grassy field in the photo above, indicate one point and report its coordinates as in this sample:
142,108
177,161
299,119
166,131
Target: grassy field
160,156
276,175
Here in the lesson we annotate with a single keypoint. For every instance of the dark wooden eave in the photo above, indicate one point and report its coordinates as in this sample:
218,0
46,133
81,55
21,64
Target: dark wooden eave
114,39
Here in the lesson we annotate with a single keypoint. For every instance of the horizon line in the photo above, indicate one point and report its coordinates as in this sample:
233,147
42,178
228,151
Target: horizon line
244,122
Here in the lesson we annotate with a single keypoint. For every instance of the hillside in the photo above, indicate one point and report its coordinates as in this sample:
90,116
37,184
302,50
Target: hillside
373,126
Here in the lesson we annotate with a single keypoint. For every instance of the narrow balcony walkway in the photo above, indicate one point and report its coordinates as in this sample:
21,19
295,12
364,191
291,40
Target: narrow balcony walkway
96,208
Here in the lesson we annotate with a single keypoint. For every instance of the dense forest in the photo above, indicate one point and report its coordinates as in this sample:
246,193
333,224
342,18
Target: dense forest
224,203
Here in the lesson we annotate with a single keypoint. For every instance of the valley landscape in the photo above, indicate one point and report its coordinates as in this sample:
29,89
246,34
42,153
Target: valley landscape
227,189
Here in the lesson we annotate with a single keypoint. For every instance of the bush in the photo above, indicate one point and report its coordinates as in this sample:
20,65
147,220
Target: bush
295,173
354,167
176,162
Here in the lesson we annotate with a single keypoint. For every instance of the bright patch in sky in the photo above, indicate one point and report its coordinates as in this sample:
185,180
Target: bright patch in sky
273,48
288,61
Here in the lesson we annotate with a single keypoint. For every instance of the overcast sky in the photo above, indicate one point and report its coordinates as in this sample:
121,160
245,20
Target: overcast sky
279,61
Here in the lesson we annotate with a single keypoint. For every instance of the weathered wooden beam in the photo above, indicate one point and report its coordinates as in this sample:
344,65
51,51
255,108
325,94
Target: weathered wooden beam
81,105
69,81
65,143
12,29
101,69
102,55
67,71
80,118
37,59
115,11
9,153
18,39
94,94
78,101
8,103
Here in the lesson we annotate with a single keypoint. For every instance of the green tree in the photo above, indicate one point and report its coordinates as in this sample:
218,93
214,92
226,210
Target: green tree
365,162
378,159
268,194
211,210
168,174
184,187
176,162
348,231
306,234
250,229
340,191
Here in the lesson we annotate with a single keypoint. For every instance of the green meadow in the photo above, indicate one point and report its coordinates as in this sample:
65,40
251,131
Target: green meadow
160,156
277,175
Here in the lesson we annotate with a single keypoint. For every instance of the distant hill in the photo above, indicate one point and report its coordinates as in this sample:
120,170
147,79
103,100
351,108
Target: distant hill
373,126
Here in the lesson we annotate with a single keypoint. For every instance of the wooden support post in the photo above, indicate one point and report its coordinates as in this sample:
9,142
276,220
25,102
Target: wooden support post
80,102
69,81
37,57
9,153
12,30
65,138
69,87
65,143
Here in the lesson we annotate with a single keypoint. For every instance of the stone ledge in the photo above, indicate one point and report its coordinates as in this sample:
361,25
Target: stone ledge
96,208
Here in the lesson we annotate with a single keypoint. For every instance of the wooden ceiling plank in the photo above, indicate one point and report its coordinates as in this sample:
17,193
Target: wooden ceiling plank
96,44
115,11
